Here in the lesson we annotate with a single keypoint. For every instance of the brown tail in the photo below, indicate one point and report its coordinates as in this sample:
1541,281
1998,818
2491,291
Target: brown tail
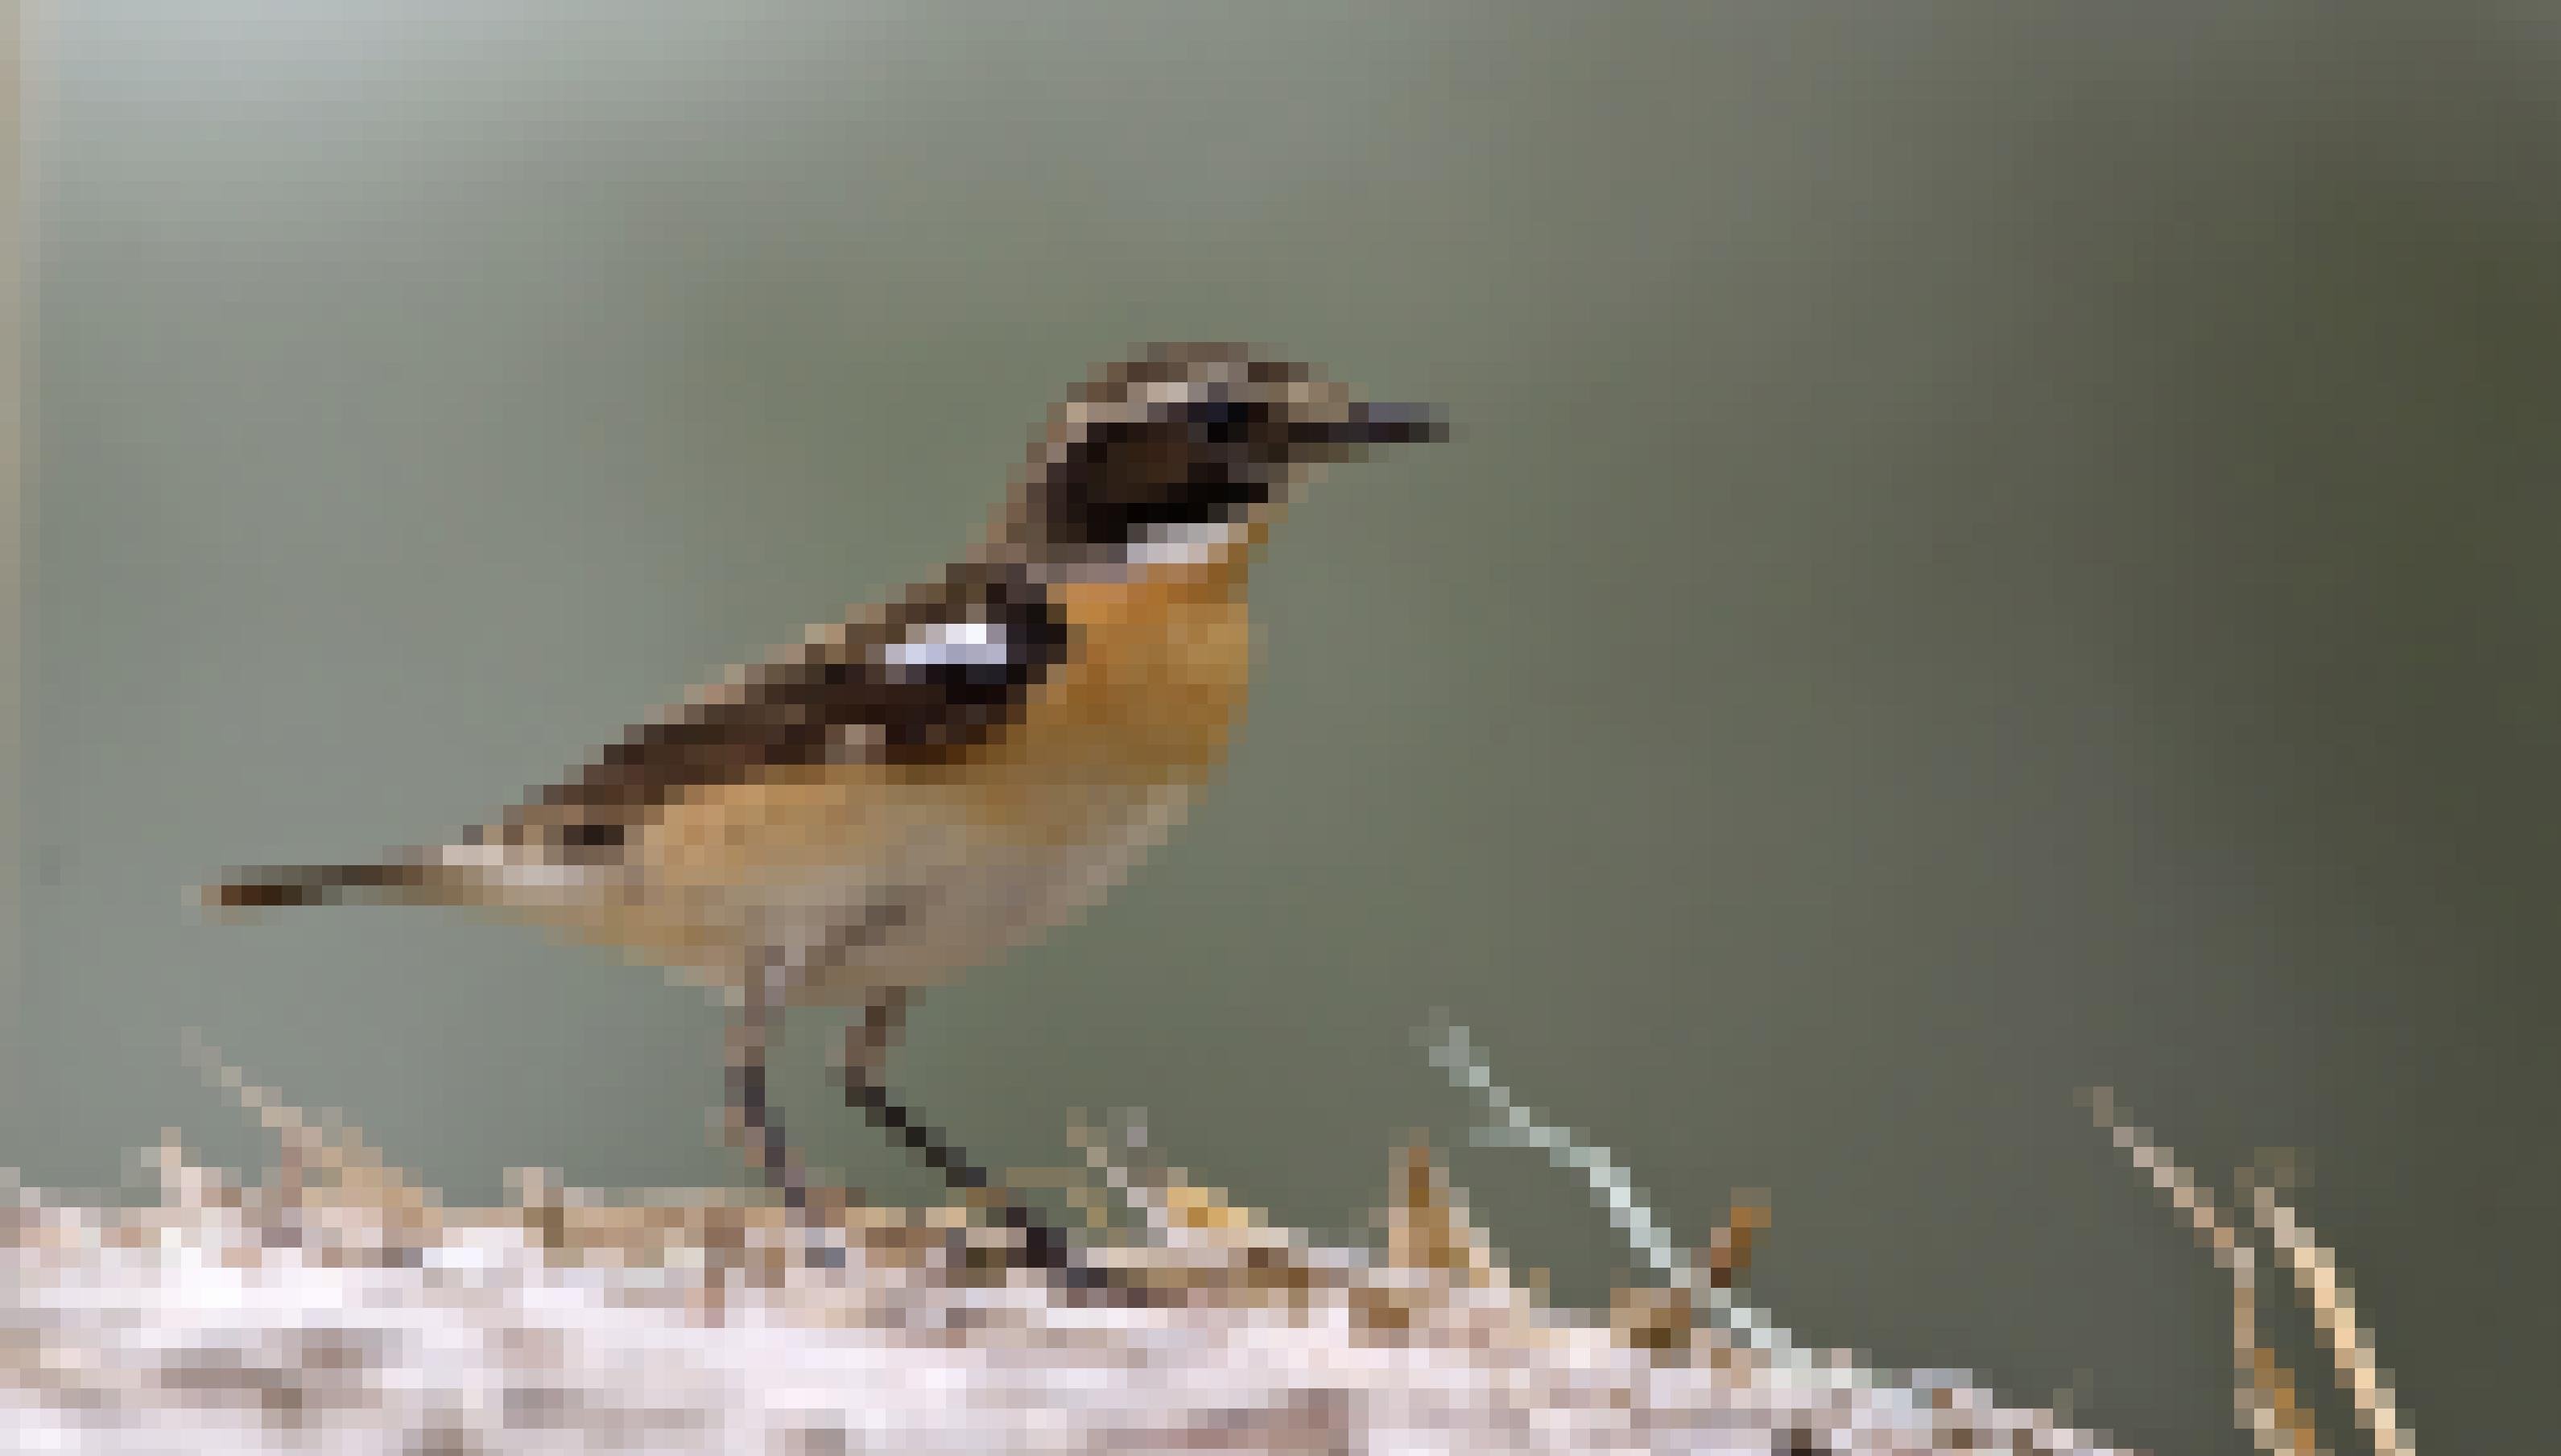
269,886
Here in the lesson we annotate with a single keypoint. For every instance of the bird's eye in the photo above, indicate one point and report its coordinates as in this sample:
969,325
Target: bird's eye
1218,418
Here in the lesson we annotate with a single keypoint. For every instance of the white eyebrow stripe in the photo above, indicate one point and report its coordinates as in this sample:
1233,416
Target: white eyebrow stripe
968,643
1184,388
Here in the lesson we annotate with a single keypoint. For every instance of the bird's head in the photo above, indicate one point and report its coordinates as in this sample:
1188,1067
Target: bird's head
1183,455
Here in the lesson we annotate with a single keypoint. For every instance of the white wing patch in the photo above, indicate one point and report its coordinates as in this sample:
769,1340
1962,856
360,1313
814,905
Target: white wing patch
1185,544
966,643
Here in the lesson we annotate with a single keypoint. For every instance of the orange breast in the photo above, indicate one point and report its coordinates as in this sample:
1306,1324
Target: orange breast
1154,680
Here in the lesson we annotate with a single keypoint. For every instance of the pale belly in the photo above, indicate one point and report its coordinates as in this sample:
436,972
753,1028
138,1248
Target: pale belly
951,899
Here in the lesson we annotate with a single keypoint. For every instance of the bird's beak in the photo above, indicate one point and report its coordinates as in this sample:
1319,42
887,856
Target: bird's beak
1377,424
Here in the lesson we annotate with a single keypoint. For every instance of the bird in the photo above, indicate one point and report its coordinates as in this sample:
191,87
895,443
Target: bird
924,784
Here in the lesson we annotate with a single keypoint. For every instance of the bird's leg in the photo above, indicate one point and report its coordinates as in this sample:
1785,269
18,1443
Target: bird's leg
867,1043
751,1108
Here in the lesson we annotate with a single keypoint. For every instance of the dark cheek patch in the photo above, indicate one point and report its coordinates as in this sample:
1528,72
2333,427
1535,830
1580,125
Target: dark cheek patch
1108,492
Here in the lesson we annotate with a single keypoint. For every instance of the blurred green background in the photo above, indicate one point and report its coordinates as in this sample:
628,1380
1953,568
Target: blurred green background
1990,548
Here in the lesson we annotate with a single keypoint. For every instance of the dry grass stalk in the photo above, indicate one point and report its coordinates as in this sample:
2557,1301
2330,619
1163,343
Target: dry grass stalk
2268,1403
2351,1345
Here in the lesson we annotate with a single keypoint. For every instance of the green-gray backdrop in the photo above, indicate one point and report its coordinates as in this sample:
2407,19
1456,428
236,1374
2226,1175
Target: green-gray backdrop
1990,548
